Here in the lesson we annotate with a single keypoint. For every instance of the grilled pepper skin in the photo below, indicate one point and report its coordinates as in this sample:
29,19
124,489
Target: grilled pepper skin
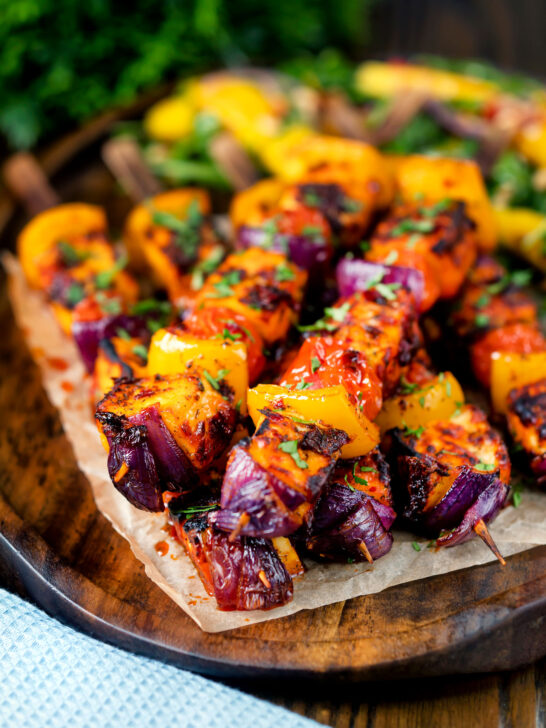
527,423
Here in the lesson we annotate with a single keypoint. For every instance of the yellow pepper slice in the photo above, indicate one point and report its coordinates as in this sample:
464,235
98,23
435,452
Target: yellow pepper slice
43,232
531,142
437,400
388,79
509,371
170,119
523,231
330,406
173,353
435,179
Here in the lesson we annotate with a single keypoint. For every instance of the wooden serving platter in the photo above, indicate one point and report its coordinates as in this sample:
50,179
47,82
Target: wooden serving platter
56,547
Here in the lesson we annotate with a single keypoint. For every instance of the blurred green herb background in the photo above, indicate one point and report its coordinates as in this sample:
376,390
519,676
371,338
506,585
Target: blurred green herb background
63,61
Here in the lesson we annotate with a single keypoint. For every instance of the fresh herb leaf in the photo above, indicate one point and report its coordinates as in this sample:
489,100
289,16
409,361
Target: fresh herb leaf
385,290
408,387
123,334
481,320
74,294
412,432
364,245
150,305
291,447
229,335
302,384
215,381
487,467
416,546
315,364
348,484
412,226
141,351
105,278
391,258
483,300
70,255
284,273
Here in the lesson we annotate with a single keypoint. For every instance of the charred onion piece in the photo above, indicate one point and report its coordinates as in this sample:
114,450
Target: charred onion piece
451,476
242,573
161,433
273,479
354,513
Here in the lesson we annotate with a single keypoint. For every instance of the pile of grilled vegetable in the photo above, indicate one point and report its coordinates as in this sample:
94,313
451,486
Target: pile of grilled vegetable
276,393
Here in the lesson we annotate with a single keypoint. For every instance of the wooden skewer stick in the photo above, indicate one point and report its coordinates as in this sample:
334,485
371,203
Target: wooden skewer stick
362,547
243,520
481,530
123,158
26,180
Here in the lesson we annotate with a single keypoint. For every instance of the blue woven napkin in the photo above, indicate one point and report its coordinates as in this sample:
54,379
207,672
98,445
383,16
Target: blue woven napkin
52,676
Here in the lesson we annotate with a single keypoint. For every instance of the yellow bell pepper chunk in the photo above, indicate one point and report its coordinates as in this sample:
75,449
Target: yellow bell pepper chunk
436,179
531,142
274,152
43,232
384,80
524,232
437,400
170,119
173,353
509,371
329,406
242,107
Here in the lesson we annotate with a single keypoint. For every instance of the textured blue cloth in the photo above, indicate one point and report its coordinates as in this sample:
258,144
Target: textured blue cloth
51,676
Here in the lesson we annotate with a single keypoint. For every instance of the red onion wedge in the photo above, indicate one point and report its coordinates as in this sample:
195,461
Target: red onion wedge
242,573
360,275
310,252
88,334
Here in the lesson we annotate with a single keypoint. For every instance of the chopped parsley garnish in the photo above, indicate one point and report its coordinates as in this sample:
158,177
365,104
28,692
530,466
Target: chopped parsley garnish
284,273
422,401
336,313
70,255
385,290
215,381
408,387
412,226
487,467
413,240
232,322
123,334
105,278
150,305
448,387
350,205
205,267
141,351
302,384
223,286
311,198
363,469
518,278
315,364
74,294
391,258
483,300
312,231
297,419
186,231
481,320
412,432
229,335
291,447
351,487
415,546
364,245
107,304
436,209
195,510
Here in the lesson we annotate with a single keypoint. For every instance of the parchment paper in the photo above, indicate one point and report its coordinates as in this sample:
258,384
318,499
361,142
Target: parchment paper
514,530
